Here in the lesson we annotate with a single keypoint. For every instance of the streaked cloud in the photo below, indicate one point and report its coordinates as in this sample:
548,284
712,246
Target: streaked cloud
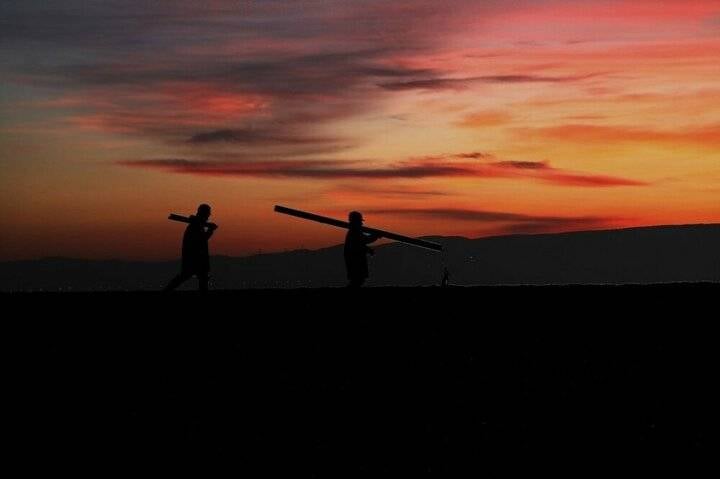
705,135
502,222
462,83
446,166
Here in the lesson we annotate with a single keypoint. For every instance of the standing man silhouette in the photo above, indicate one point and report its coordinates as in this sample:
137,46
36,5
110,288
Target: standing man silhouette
195,255
356,250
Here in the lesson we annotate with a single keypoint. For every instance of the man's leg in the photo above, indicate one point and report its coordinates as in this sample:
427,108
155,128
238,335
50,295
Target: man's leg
202,281
177,281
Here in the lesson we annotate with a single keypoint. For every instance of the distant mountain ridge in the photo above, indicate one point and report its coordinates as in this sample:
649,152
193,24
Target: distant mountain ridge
655,254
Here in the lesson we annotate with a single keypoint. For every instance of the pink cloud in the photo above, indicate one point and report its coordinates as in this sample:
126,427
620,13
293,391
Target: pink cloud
448,166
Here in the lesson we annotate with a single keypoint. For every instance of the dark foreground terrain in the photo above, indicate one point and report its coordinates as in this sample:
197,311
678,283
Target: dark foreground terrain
335,383
647,255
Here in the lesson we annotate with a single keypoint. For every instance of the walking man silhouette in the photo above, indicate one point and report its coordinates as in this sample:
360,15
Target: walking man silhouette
356,250
195,255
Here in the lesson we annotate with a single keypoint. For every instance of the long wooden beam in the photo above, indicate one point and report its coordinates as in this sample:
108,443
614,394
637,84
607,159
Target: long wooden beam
344,224
184,219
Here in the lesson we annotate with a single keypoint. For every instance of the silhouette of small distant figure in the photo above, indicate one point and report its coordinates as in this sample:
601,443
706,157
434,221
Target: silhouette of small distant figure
356,250
445,278
195,255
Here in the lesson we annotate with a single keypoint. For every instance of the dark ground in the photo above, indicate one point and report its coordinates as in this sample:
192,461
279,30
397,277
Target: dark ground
335,383
646,255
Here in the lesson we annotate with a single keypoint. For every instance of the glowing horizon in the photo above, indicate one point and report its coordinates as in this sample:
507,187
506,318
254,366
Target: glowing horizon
432,118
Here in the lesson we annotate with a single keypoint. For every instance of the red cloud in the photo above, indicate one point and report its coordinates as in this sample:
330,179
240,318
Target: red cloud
455,165
505,222
162,109
708,135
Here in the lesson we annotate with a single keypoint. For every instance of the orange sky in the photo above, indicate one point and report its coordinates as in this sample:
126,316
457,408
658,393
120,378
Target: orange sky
432,118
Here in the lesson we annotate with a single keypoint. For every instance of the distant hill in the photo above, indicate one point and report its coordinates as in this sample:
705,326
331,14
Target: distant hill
657,254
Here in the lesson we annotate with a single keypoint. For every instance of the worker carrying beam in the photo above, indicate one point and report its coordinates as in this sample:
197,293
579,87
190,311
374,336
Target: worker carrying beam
195,256
356,250
356,241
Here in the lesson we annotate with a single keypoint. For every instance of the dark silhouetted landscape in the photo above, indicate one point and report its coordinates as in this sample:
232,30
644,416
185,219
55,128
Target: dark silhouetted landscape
658,254
149,149
375,382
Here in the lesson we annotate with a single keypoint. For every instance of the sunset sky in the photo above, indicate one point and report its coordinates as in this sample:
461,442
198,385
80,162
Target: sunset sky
461,117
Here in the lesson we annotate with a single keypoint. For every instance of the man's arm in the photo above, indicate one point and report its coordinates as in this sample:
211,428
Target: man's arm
371,237
211,227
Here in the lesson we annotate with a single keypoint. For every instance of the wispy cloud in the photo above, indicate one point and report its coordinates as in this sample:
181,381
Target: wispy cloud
314,169
392,190
463,83
524,165
706,135
502,222
250,102
453,165
253,136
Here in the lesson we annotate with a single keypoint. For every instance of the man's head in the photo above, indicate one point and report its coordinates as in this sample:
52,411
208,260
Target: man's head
203,212
355,218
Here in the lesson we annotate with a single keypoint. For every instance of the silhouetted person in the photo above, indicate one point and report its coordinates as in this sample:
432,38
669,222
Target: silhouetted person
195,255
446,278
356,250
